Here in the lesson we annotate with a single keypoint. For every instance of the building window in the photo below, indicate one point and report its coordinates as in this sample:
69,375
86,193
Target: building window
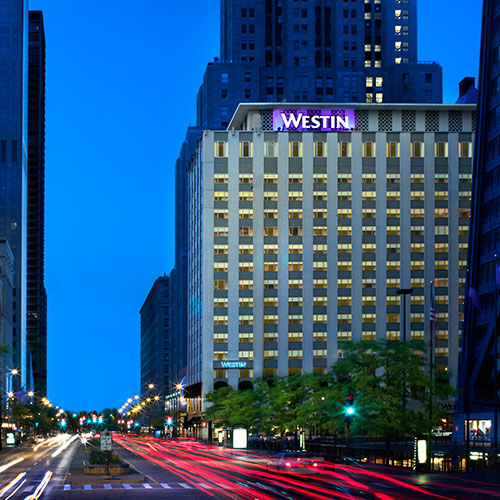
246,149
369,149
393,149
441,149
465,149
220,149
345,149
270,148
295,149
320,149
220,284
417,149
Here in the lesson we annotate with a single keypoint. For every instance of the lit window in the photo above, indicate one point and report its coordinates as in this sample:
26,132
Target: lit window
220,284
417,149
295,195
465,149
245,178
245,213
295,149
320,178
393,149
220,178
220,320
320,149
220,150
245,195
220,338
220,267
369,149
295,178
246,284
320,195
345,149
246,149
294,336
270,178
441,149
220,355
221,196
245,319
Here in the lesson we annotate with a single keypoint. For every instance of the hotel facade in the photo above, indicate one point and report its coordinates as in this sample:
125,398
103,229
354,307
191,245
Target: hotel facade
303,227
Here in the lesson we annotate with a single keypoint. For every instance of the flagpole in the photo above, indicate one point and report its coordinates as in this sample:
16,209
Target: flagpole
431,371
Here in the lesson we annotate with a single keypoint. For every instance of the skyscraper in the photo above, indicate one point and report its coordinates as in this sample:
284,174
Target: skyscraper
479,368
322,51
155,339
36,294
13,161
304,223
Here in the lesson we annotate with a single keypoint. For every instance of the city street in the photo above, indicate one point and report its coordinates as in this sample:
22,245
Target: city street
187,469
30,472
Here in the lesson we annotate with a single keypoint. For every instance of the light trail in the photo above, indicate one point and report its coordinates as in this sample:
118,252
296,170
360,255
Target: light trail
10,464
48,442
9,486
16,490
66,443
41,487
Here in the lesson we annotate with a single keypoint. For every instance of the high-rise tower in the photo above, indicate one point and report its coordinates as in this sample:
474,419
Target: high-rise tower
36,295
13,163
479,368
321,51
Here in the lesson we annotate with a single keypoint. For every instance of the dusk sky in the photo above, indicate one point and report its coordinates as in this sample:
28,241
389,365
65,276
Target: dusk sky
121,84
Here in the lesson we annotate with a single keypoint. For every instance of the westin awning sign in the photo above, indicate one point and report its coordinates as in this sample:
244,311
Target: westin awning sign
326,120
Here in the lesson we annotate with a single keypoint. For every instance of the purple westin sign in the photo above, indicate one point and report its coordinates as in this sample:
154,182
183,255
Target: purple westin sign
314,119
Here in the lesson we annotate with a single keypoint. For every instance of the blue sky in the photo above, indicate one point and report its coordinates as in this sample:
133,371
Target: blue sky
122,78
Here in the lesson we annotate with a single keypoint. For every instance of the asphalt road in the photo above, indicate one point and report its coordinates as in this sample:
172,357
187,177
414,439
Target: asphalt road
28,473
189,470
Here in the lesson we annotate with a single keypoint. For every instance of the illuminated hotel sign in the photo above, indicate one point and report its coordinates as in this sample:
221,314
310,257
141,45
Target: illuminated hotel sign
326,120
233,364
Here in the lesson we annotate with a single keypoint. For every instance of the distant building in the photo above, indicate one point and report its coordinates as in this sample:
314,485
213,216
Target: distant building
13,163
36,294
479,384
155,343
304,222
324,51
6,311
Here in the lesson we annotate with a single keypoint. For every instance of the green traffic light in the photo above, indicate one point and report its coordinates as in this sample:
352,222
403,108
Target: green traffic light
350,410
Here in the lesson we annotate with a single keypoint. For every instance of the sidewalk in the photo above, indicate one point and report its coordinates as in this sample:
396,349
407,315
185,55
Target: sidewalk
77,476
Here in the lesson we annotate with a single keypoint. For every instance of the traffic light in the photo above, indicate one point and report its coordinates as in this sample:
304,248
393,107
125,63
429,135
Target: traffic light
170,421
349,409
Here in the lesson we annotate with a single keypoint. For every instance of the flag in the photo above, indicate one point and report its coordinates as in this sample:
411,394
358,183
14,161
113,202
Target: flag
433,312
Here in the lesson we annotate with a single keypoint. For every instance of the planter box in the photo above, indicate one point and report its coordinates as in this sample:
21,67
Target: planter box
114,469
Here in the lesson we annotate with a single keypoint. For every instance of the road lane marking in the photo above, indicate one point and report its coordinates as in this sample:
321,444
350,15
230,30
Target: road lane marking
28,489
166,486
87,486
107,486
127,486
187,486
147,486
203,485
67,487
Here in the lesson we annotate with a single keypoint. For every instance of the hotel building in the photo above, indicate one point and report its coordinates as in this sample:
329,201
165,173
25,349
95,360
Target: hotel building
303,227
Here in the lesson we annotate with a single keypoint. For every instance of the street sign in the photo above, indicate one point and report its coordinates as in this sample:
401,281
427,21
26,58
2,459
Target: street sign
106,442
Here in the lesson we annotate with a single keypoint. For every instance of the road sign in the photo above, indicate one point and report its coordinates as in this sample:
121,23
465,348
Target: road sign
106,442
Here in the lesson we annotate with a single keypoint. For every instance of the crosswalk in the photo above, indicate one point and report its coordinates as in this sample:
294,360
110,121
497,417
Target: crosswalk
135,486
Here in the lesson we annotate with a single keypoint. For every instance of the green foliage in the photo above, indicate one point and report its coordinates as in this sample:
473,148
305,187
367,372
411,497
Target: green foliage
98,457
390,382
